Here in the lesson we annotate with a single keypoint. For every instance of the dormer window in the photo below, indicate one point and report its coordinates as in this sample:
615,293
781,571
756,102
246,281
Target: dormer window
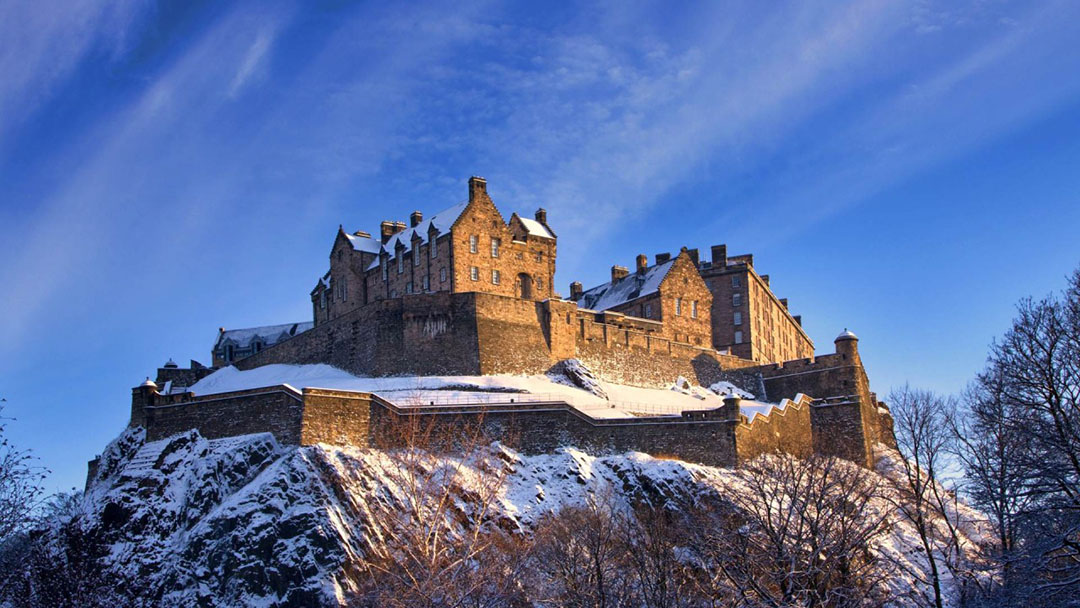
433,248
400,262
416,256
385,270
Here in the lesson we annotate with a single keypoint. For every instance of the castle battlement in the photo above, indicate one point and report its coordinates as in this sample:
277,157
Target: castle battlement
466,292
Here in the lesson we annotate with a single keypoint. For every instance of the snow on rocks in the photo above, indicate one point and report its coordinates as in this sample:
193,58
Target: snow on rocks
245,521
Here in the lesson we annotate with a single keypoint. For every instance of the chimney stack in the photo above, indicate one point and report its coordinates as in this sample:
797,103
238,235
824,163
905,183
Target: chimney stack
415,218
575,291
798,320
662,257
765,278
388,229
541,216
477,187
719,256
619,272
693,253
642,263
784,302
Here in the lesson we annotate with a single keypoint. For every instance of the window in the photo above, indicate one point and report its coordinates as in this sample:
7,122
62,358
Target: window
474,242
344,289
495,244
408,287
400,262
693,309
539,256
539,283
678,306
427,282
393,293
434,248
738,337
736,299
738,318
648,311
384,269
735,280
442,275
474,273
322,299
495,277
416,255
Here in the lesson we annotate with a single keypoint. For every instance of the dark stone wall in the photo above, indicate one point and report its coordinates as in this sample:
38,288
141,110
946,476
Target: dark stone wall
276,409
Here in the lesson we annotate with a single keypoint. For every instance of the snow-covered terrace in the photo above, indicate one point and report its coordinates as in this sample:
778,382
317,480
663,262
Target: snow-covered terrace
621,401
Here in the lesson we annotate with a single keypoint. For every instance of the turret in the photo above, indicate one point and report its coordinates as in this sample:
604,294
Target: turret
142,396
847,344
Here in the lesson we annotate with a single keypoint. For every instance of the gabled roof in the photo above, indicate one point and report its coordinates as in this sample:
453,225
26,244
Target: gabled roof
535,228
268,335
365,244
441,221
630,287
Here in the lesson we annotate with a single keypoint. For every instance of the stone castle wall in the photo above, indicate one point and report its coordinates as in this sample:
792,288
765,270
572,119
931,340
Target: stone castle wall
786,429
478,333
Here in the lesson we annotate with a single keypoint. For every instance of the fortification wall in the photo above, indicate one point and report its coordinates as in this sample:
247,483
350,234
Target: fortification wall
786,429
276,409
845,421
479,333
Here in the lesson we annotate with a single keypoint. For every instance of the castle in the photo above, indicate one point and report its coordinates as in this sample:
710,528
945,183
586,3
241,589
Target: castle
466,292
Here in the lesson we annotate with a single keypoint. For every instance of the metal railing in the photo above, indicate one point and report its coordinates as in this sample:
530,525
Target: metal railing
432,399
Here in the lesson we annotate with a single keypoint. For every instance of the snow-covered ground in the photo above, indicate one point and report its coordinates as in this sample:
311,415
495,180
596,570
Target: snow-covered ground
621,402
245,521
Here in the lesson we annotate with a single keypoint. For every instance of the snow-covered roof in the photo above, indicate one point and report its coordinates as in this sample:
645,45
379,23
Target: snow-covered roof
847,335
268,335
535,228
442,221
365,244
631,287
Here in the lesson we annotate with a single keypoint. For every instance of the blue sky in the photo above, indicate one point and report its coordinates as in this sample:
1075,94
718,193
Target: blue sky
906,169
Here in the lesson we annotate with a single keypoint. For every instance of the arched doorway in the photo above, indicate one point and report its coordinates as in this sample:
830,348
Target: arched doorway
525,286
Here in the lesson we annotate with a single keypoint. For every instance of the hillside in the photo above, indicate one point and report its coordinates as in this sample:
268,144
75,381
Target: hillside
244,521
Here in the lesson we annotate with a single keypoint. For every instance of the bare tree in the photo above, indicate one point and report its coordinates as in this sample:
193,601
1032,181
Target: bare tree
996,461
435,540
1038,363
20,484
800,532
581,554
651,545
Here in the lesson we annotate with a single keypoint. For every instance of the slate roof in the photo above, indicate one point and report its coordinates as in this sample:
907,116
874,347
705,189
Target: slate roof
269,334
631,287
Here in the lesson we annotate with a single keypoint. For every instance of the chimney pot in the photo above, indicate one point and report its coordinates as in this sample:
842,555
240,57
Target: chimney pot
415,218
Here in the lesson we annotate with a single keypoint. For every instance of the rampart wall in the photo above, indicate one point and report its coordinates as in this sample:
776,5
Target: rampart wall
479,333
